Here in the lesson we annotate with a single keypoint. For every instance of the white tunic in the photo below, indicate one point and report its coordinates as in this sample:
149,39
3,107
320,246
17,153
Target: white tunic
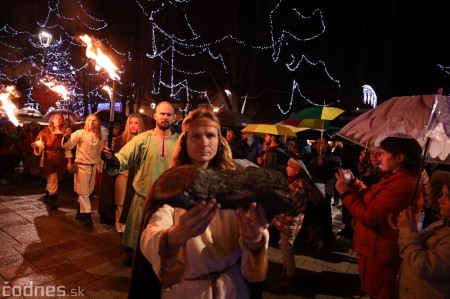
87,156
218,248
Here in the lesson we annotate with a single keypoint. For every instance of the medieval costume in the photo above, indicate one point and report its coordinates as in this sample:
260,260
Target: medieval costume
152,155
89,147
53,160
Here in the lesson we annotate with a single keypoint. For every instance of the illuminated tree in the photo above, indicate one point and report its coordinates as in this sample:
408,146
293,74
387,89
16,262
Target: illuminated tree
25,60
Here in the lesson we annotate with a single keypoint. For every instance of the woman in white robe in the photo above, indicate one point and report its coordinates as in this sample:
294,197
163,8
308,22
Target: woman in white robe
206,252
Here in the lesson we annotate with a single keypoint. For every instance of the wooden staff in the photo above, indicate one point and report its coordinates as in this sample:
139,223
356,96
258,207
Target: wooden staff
111,114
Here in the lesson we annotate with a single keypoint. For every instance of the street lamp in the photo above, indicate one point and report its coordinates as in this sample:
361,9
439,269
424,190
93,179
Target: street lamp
45,39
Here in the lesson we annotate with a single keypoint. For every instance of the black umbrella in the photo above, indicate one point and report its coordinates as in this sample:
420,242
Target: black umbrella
230,118
103,115
313,134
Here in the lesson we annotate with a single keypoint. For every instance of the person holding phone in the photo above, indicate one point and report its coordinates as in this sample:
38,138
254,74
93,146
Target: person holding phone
374,240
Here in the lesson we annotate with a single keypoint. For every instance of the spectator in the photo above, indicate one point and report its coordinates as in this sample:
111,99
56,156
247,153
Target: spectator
9,152
251,146
204,252
323,164
89,142
276,156
261,160
14,138
369,172
234,144
425,267
134,126
289,224
151,153
116,130
304,148
292,148
374,240
53,162
30,160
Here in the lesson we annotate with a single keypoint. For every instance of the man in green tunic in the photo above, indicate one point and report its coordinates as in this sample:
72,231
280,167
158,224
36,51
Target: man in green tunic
151,153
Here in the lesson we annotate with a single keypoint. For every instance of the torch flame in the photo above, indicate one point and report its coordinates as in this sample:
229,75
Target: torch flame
7,104
101,60
108,90
60,89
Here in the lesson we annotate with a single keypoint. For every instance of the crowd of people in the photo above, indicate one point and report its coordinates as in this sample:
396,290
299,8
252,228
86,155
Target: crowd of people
209,252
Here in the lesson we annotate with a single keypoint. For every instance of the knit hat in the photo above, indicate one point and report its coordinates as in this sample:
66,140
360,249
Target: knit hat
295,164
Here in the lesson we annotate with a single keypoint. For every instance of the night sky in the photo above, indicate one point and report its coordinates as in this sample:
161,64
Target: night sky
394,46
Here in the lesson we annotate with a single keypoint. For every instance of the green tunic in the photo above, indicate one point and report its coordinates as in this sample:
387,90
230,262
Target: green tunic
151,155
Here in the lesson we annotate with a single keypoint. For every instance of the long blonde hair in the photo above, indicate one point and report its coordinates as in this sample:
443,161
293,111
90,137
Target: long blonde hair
222,160
126,135
98,130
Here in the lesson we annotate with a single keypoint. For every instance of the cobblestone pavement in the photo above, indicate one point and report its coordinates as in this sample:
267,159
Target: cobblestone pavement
47,248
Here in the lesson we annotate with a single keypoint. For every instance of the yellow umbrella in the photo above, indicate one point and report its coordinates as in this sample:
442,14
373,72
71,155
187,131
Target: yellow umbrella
276,129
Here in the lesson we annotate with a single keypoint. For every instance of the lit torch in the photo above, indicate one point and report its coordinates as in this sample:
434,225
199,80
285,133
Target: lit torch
108,90
61,90
5,95
102,61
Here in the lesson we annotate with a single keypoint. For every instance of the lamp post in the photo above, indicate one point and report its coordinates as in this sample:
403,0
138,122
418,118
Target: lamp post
45,39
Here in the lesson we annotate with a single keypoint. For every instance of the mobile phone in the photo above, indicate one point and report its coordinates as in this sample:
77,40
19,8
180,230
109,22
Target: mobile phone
348,177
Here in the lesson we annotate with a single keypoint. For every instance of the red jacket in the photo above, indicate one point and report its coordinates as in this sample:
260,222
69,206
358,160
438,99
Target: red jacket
373,236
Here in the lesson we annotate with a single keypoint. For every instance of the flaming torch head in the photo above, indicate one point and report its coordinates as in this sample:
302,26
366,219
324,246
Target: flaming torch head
108,90
101,60
6,94
60,89
104,62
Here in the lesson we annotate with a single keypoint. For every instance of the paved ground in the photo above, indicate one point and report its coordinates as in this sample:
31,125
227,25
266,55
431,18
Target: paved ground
42,247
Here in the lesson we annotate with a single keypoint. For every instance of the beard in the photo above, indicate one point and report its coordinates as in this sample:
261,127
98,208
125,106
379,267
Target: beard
163,125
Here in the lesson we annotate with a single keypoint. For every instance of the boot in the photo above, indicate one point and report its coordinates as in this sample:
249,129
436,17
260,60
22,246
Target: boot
53,201
87,219
127,256
286,285
79,216
282,276
47,198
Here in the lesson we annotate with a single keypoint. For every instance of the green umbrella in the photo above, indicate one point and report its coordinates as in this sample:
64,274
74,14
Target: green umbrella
317,118
323,113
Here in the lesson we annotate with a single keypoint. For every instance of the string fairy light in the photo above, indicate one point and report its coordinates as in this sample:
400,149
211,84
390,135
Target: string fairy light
166,47
176,67
369,95
446,69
